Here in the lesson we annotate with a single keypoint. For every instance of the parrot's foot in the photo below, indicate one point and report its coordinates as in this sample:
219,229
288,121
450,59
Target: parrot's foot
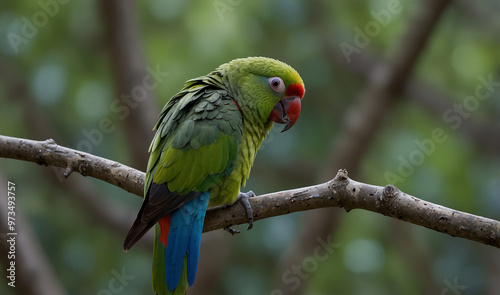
243,199
231,230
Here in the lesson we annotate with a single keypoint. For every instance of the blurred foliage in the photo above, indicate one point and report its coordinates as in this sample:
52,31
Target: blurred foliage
67,72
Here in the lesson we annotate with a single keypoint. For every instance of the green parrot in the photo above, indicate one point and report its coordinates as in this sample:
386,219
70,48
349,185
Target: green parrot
205,143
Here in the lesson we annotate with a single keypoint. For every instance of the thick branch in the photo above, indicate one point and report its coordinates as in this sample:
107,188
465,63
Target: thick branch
339,192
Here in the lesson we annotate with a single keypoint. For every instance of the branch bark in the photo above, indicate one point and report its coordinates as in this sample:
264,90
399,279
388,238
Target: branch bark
339,192
48,153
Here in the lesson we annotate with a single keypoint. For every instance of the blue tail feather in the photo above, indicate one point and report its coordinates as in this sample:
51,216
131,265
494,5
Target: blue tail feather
194,243
186,226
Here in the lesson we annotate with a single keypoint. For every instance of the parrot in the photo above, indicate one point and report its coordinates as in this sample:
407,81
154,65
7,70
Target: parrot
205,143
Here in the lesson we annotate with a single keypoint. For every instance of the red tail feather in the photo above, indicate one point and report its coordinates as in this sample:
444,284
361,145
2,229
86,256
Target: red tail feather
164,227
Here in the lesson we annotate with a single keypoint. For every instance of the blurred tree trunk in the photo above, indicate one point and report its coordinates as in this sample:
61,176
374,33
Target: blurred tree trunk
135,80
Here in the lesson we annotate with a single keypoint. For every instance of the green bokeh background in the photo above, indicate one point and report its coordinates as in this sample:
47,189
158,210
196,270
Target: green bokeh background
66,71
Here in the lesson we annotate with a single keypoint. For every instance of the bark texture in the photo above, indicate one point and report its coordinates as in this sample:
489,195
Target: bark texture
338,192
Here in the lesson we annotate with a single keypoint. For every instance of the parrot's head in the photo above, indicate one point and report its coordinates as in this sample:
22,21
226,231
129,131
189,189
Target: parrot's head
266,89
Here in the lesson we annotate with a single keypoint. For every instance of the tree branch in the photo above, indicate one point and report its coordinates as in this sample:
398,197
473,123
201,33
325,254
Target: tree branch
48,153
349,194
339,192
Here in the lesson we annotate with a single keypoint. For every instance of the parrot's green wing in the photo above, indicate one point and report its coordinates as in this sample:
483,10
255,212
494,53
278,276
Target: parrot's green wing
197,138
195,145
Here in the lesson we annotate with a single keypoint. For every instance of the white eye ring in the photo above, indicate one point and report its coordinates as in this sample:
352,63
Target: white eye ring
277,84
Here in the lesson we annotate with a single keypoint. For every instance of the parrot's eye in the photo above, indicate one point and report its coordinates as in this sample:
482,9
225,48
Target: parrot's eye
277,84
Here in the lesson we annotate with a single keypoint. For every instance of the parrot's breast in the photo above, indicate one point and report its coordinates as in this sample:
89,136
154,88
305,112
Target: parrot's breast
228,189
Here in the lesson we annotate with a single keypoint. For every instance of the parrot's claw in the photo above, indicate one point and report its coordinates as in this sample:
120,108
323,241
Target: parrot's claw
243,199
231,230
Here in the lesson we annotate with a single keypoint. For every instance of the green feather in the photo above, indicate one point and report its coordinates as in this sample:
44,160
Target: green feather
183,136
208,134
159,284
196,147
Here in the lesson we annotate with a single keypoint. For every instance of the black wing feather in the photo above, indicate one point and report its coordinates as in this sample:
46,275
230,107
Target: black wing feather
158,203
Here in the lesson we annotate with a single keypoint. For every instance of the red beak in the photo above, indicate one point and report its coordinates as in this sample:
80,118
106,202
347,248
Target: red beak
286,111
